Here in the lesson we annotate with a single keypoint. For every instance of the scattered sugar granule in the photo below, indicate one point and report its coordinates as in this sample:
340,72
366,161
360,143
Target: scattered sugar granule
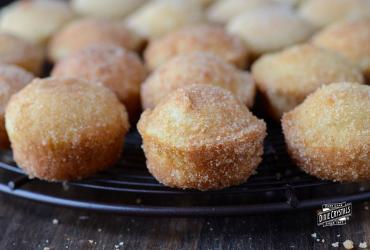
323,240
46,248
314,235
335,244
348,244
91,241
338,235
99,230
121,243
55,221
362,245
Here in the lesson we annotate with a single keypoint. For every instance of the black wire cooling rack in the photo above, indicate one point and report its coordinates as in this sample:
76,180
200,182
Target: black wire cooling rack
128,188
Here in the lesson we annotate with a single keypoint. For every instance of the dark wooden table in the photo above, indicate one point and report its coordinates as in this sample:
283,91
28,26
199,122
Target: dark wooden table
30,225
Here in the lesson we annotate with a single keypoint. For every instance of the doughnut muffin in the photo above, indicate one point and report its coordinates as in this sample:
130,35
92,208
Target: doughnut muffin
223,11
201,137
158,17
269,29
285,78
322,13
350,39
17,51
65,129
116,68
107,8
35,20
204,37
88,31
328,135
196,68
12,79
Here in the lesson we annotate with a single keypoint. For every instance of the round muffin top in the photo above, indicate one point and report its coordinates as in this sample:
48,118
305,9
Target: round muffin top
12,79
301,69
349,38
270,28
196,68
35,20
158,17
322,13
199,115
335,116
88,31
204,37
64,110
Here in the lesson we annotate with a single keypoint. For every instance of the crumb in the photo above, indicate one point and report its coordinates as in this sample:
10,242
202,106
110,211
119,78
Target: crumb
121,243
314,235
55,221
99,230
348,244
335,244
318,240
323,240
361,189
83,217
46,241
366,208
91,241
116,246
138,201
338,235
254,172
46,248
362,245
211,229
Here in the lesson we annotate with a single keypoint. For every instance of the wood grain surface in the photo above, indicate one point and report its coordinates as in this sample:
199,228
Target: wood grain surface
29,225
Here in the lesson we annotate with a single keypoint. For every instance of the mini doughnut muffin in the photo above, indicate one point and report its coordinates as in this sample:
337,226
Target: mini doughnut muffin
268,29
159,17
14,50
196,68
223,11
106,8
12,79
350,39
65,129
118,69
204,37
35,20
328,135
203,138
285,78
84,32
322,13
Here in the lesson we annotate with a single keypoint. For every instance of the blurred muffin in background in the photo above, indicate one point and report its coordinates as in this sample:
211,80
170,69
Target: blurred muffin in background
285,78
106,8
196,68
158,17
84,32
204,37
12,79
118,69
35,20
349,38
15,50
223,11
324,12
269,29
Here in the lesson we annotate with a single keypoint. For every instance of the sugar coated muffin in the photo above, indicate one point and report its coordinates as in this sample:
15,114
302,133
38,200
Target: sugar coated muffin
65,129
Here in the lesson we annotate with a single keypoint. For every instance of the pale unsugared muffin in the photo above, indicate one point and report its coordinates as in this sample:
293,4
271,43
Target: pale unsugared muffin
84,32
196,68
269,29
35,20
350,39
158,17
107,8
12,79
223,11
204,37
201,137
15,50
118,69
65,128
328,135
322,13
285,78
